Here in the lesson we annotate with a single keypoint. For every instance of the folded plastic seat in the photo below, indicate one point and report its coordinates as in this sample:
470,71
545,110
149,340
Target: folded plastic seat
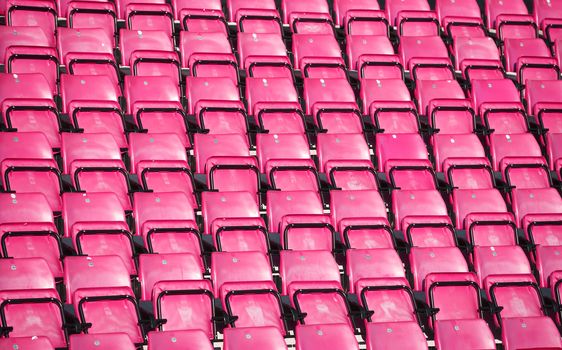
27,105
92,102
31,306
99,288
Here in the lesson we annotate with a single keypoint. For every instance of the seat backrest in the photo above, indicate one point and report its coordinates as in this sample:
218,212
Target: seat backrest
239,267
76,147
307,266
146,148
154,268
285,203
25,208
90,207
150,206
94,272
372,264
220,205
356,204
25,274
456,295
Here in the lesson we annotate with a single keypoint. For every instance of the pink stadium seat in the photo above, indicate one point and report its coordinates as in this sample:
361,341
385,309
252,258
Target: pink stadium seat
240,235
31,343
101,341
92,101
320,303
30,59
366,233
27,166
172,299
100,290
397,147
88,51
297,268
342,7
389,328
238,298
427,260
365,45
27,105
208,55
140,40
175,340
229,267
26,13
165,206
313,337
421,47
527,312
332,148
201,90
457,321
23,36
355,204
366,265
414,23
149,16
156,268
428,90
307,232
90,14
261,92
494,8
352,174
226,205
235,5
253,338
282,204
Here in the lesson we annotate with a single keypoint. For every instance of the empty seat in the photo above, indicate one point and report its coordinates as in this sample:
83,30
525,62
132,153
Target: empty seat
318,56
297,268
26,101
239,267
253,338
173,299
521,305
362,46
148,16
512,145
412,47
321,90
253,304
428,90
352,174
471,50
386,327
458,321
175,340
355,204
208,55
88,51
26,13
94,164
25,208
31,305
90,207
366,233
154,268
277,147
23,36
382,90
27,166
92,14
365,265
406,203
478,200
494,8
399,147
282,204
101,341
151,207
100,290
339,336
30,343
92,101
446,148
261,92
216,206
427,260
33,240
332,148
203,89
139,40
264,55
